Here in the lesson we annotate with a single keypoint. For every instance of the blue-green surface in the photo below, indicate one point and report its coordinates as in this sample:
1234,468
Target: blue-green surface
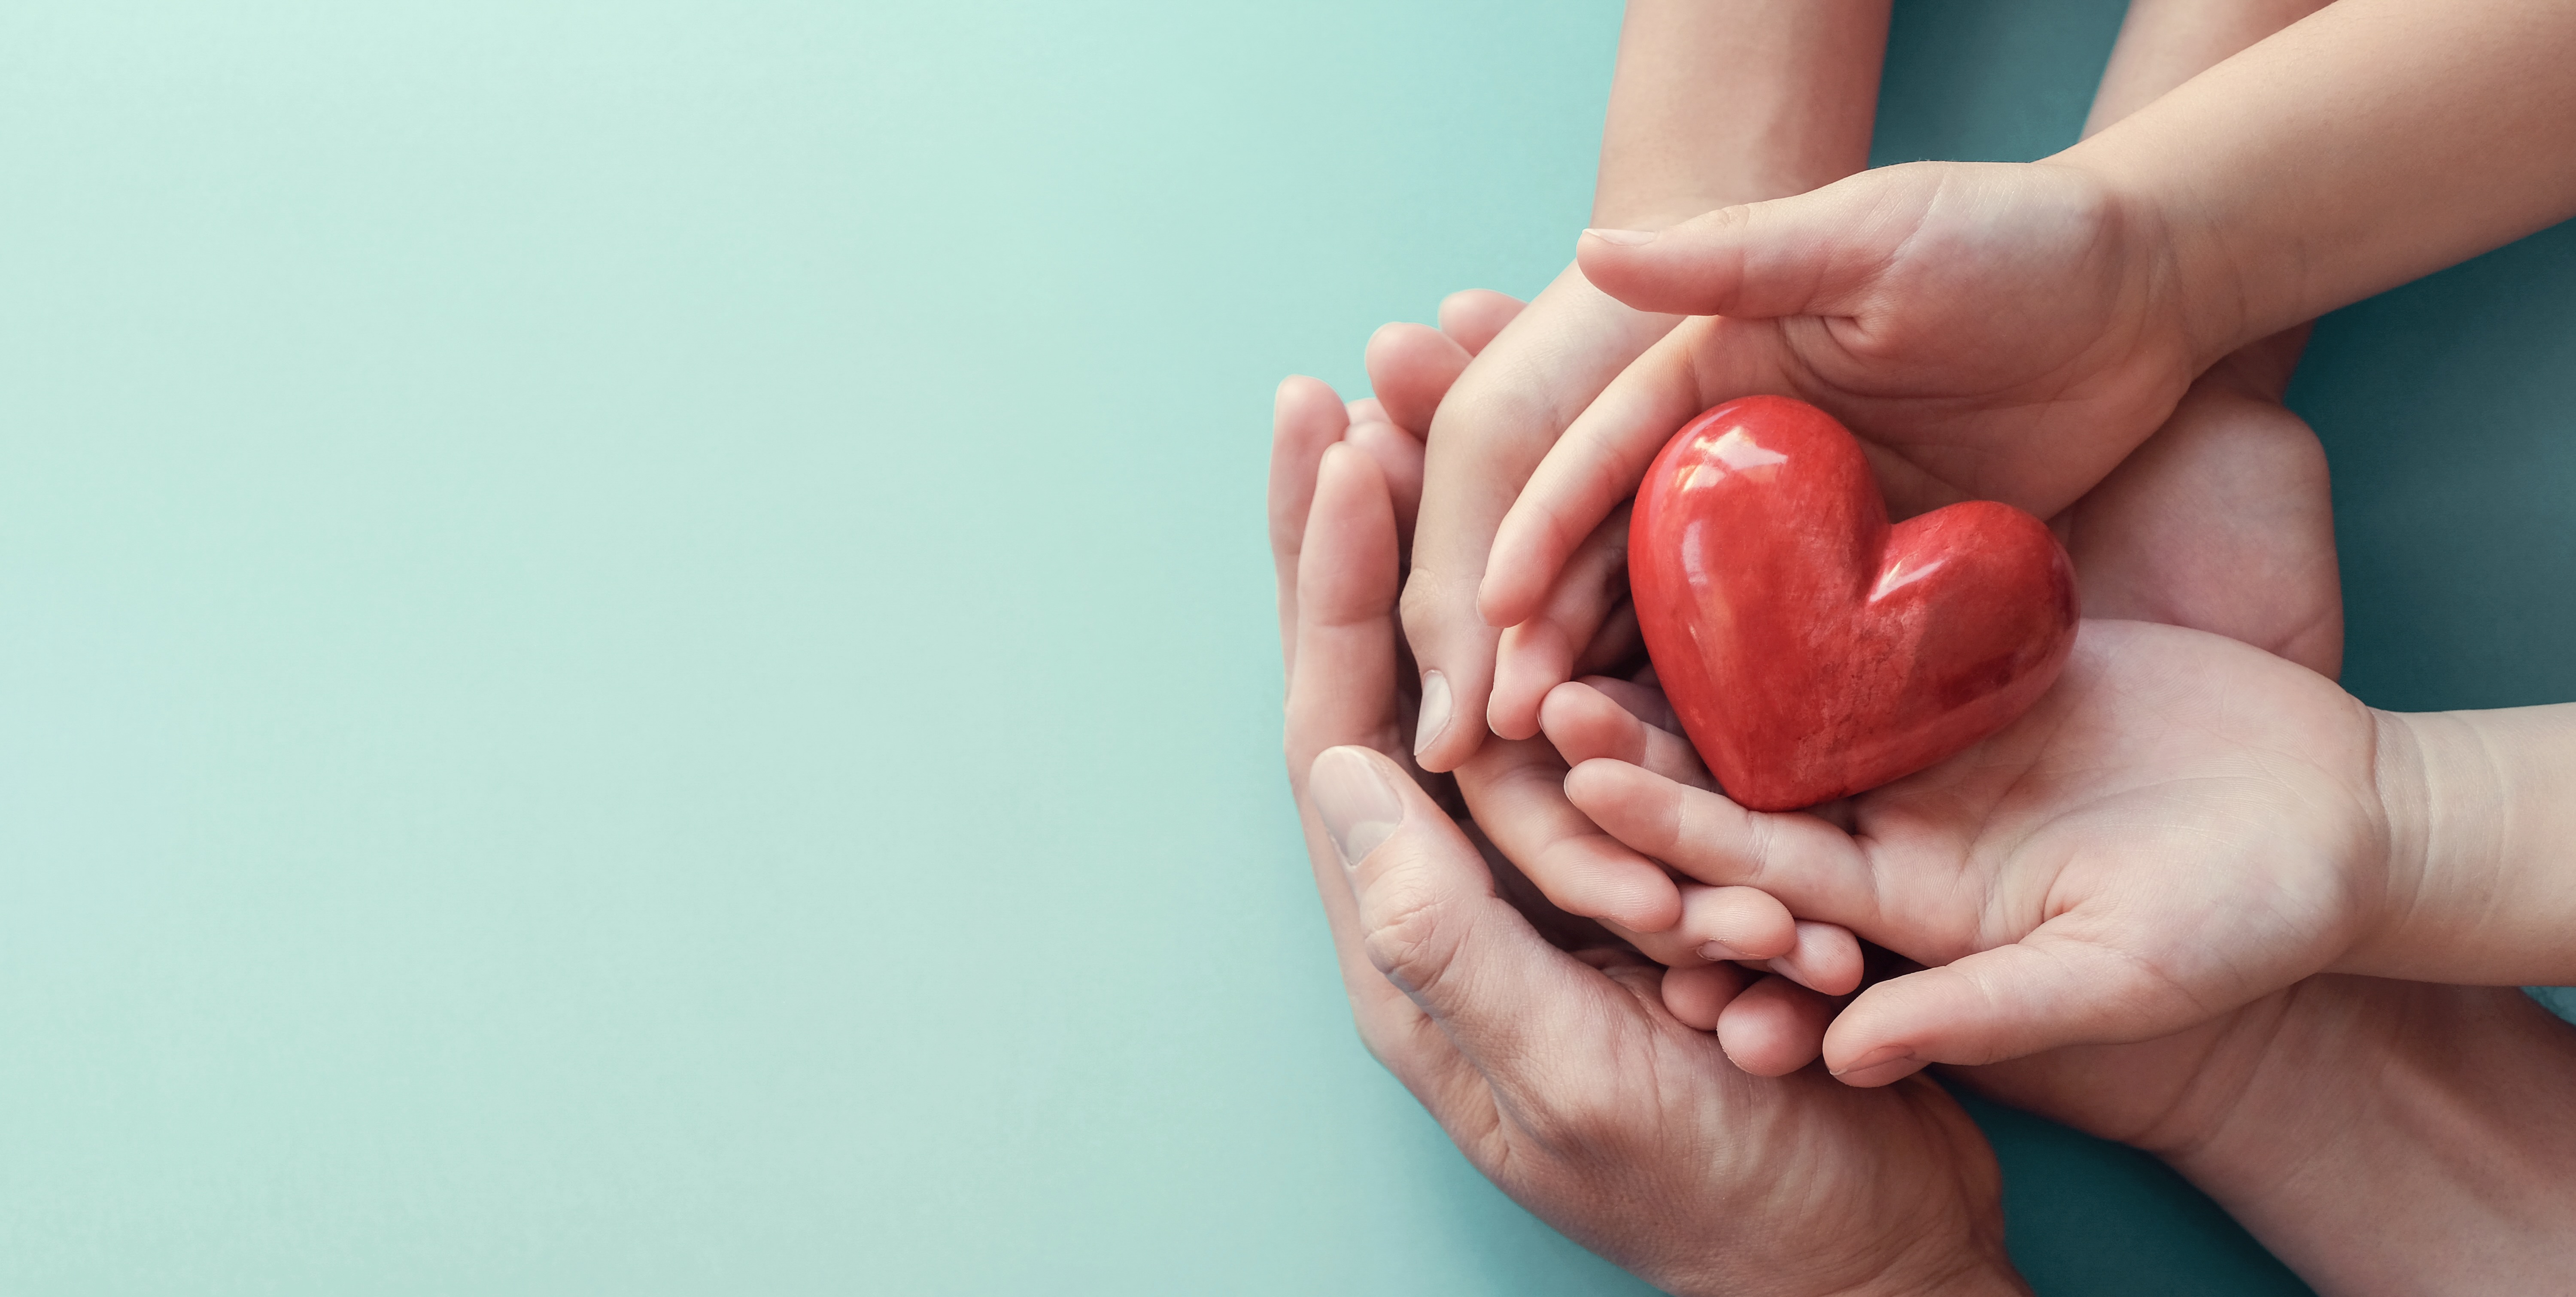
636,656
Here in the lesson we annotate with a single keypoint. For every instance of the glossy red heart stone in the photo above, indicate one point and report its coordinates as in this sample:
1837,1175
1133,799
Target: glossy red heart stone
1812,650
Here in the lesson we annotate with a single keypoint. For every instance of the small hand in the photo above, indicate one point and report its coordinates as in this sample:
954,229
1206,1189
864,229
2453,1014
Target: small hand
2183,824
1990,331
1485,436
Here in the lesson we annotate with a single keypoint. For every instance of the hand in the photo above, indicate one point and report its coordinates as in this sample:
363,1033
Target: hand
1561,1077
1990,331
2375,1135
2181,825
1489,431
2222,521
1515,789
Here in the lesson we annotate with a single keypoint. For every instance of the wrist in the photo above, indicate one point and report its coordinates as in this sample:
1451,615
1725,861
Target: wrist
2441,803
2194,288
2381,1140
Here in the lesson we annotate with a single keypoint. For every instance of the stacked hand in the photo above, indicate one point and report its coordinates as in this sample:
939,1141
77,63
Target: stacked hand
1561,1075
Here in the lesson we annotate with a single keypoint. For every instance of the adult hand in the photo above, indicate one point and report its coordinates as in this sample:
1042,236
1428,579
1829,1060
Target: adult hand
1562,1078
2222,521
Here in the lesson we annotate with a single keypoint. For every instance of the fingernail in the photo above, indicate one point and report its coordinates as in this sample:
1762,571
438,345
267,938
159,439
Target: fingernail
1884,1063
1718,952
1434,721
1624,238
1359,809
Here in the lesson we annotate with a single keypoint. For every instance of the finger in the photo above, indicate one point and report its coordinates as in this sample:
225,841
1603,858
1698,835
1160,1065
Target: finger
1774,1027
1643,699
1305,418
1813,867
1492,429
1538,654
1346,589
1815,253
1431,922
1720,923
1617,642
1410,367
1586,474
1472,318
1826,959
1697,994
2047,990
1517,794
1399,459
1583,723
1364,409
1344,692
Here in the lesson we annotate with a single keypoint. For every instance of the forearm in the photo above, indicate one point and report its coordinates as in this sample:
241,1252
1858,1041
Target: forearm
1725,102
2405,1139
2164,43
2481,811
2368,144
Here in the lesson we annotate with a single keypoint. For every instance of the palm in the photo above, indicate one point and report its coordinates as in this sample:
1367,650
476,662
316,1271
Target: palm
2173,823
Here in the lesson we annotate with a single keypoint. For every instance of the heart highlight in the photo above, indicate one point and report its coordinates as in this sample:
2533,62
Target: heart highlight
1812,650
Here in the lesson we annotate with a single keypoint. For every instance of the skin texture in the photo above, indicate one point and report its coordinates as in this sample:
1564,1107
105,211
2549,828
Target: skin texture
1562,1077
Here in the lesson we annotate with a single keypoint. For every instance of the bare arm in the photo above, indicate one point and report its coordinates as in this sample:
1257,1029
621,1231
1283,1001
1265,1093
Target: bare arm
2372,142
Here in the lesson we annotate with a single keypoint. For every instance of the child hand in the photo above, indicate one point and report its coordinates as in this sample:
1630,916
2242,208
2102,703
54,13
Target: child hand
2181,825
1991,331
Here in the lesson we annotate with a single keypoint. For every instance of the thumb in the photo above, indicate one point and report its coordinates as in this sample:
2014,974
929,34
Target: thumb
2047,990
1817,253
1432,922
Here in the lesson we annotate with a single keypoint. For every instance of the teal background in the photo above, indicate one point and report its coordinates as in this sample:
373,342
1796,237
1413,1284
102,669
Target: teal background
636,654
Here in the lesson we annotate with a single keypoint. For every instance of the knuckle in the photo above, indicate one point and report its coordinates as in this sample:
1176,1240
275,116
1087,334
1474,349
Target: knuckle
1423,606
1406,937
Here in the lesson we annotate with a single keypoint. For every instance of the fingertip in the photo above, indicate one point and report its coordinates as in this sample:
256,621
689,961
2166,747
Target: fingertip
1411,367
1772,1029
1298,393
1824,958
1696,995
1880,1072
1530,661
1743,922
1594,778
1474,316
1864,1049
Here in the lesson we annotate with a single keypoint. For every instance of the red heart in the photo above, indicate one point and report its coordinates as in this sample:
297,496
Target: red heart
1810,649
